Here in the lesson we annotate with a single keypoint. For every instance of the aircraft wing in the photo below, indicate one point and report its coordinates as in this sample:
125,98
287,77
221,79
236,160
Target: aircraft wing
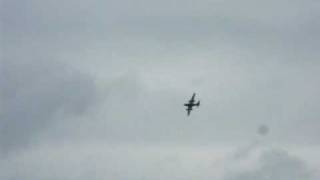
192,98
188,111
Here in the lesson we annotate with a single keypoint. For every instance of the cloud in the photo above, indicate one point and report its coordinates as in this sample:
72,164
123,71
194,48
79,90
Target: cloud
274,164
236,56
104,161
109,161
37,92
250,62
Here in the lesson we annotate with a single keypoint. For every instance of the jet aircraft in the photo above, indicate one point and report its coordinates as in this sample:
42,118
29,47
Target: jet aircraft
191,103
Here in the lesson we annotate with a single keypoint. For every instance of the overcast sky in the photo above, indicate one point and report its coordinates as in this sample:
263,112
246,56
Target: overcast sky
95,89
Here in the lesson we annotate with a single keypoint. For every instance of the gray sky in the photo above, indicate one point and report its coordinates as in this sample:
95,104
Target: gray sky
102,83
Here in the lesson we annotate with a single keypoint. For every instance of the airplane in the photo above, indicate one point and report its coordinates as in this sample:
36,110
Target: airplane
191,103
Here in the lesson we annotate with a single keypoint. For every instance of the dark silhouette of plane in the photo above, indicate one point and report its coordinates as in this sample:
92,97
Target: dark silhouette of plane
191,103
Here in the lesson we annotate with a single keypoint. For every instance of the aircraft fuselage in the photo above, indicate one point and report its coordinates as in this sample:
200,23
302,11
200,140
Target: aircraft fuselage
191,104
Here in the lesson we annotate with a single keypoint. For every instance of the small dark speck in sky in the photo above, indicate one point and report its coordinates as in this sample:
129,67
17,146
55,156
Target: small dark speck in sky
263,130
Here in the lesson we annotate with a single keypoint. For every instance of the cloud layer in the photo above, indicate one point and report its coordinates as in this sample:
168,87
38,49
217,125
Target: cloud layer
36,93
274,164
84,83
97,161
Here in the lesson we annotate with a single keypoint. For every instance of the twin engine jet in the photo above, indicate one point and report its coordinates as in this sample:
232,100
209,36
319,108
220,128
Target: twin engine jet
191,103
